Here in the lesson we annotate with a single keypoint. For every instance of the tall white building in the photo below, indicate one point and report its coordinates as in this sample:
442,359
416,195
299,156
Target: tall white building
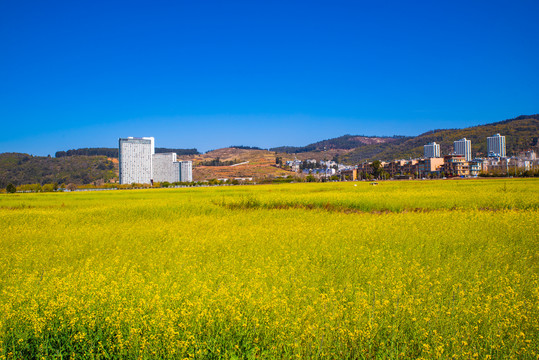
185,169
496,145
165,168
431,150
463,147
135,160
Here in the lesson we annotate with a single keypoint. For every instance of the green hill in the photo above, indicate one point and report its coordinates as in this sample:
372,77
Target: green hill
520,133
345,142
19,169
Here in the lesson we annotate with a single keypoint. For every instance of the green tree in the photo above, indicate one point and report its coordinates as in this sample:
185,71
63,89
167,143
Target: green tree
48,188
10,188
377,168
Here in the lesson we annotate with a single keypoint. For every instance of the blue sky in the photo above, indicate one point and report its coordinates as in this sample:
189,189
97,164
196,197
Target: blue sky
210,74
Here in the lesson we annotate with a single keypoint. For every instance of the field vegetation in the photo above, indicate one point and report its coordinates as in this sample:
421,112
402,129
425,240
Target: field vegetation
416,269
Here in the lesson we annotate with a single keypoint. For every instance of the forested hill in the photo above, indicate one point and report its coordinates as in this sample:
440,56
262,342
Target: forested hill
19,169
521,133
345,142
113,152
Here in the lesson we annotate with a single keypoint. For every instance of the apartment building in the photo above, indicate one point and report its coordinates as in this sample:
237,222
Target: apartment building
350,174
185,170
496,146
475,166
135,160
463,147
394,167
431,150
455,165
429,166
165,168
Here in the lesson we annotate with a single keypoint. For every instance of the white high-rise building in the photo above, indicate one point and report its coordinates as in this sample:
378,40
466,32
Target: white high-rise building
496,145
165,168
185,169
431,150
463,147
135,158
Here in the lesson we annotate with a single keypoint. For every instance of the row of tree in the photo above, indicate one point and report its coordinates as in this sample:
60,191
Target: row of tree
217,162
114,152
243,147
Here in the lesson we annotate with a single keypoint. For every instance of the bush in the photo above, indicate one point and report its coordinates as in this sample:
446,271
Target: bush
10,188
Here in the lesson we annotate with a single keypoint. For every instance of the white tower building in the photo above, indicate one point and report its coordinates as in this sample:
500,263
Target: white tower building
463,147
432,150
136,160
496,145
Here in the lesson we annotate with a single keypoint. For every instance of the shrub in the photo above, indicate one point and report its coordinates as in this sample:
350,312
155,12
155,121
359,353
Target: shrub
10,188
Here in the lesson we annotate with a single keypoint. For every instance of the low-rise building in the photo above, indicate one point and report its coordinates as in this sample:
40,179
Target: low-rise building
475,166
455,165
350,174
429,166
394,167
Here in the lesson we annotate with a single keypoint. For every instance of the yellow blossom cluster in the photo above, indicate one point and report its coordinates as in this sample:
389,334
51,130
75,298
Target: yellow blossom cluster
416,269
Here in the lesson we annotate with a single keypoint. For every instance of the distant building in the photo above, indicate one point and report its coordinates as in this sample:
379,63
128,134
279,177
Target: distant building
430,166
431,150
185,171
164,168
463,147
135,160
475,166
530,155
455,165
350,174
496,146
395,167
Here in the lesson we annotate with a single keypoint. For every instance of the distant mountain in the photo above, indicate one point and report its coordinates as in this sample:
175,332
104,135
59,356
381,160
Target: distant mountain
345,142
113,152
19,169
521,133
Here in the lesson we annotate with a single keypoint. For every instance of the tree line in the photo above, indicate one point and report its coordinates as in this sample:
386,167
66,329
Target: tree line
113,152
217,162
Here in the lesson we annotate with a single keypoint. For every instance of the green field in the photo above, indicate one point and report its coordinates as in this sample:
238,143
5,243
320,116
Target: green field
415,269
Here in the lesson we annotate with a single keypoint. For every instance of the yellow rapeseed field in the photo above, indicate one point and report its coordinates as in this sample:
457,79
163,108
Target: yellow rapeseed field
415,269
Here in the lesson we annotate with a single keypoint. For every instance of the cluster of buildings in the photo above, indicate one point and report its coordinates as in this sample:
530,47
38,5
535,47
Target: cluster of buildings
139,163
458,163
314,167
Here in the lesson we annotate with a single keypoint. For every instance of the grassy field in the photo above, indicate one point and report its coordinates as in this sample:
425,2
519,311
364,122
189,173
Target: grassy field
415,269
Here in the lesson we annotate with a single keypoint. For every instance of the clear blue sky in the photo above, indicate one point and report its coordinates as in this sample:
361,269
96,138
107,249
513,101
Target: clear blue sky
210,74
